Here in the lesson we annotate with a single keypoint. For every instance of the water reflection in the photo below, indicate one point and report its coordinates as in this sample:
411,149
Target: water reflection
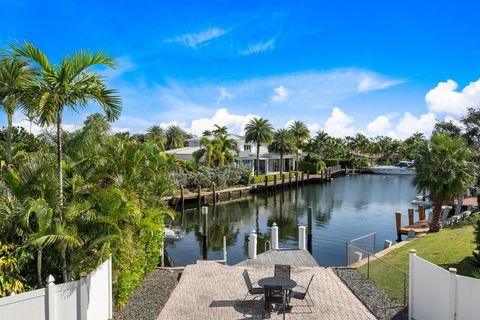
341,210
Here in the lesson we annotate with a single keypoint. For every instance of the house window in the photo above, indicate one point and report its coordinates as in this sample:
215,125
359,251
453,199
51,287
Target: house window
247,147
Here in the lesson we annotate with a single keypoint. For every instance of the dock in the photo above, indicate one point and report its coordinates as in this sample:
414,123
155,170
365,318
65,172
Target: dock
287,179
420,226
294,257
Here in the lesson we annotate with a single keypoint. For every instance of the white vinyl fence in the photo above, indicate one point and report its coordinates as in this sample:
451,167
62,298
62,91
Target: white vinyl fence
89,298
436,293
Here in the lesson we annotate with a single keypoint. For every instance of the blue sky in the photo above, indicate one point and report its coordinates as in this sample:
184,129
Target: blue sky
379,67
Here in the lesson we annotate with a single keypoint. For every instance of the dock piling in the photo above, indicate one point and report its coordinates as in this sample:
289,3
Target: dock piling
421,212
410,217
199,196
309,229
205,233
398,220
274,236
214,194
301,238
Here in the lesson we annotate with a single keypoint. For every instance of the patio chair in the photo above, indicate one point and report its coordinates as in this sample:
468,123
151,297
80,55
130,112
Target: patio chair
251,289
282,271
303,295
273,295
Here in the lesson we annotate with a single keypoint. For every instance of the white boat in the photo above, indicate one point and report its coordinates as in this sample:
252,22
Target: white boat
403,167
172,233
422,201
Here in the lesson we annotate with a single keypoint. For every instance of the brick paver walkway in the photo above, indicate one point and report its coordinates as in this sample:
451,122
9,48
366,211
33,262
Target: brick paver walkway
209,290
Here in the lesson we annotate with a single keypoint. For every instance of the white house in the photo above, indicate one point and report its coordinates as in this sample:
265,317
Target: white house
247,155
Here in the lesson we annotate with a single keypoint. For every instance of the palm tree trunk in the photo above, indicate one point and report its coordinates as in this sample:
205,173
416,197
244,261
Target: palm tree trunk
64,267
39,266
9,141
435,225
59,163
258,159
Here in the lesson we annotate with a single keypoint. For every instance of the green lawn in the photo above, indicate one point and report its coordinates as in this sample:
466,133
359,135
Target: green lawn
448,248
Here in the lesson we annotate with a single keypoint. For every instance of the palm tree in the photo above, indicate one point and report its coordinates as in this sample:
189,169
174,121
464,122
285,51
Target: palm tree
220,130
444,168
227,149
217,151
15,76
175,137
301,133
208,152
282,143
157,135
258,130
68,84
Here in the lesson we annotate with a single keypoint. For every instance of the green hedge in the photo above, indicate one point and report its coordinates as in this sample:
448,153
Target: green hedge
311,167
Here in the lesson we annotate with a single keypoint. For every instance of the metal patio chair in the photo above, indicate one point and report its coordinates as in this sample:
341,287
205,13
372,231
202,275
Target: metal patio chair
282,271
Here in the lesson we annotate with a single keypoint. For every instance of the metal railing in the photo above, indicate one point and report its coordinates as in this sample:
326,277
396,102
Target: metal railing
366,243
382,273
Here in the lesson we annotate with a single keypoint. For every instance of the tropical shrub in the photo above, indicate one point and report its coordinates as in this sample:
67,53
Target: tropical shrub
206,177
313,166
12,260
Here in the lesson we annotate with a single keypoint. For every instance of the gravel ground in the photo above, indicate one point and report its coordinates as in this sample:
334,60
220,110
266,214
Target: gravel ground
149,299
374,298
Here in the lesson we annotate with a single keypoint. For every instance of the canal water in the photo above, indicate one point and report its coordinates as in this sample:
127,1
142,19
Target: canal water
347,208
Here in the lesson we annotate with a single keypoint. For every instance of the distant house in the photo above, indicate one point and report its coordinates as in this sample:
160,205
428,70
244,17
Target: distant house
247,155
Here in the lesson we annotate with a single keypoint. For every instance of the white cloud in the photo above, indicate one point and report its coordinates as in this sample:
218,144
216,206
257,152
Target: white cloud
409,124
313,127
259,47
192,40
379,126
224,95
234,122
369,82
305,92
339,124
280,94
445,97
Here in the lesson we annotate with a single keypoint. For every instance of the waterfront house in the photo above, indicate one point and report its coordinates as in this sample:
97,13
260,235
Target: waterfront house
246,156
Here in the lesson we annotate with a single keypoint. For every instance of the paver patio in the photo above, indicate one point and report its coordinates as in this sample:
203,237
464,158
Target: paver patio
208,290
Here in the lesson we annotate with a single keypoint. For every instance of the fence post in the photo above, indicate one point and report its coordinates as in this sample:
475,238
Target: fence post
274,236
452,289
252,245
368,265
83,296
110,297
412,254
301,237
347,254
50,298
225,249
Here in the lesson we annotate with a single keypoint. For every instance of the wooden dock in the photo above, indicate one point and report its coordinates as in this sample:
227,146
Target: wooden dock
420,226
288,179
293,257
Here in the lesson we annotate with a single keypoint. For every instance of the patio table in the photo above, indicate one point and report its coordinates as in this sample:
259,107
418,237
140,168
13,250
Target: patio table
286,284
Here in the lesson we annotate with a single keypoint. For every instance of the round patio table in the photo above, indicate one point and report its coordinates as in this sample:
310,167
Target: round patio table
286,284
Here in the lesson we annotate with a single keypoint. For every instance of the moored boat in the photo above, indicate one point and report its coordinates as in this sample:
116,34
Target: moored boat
401,168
